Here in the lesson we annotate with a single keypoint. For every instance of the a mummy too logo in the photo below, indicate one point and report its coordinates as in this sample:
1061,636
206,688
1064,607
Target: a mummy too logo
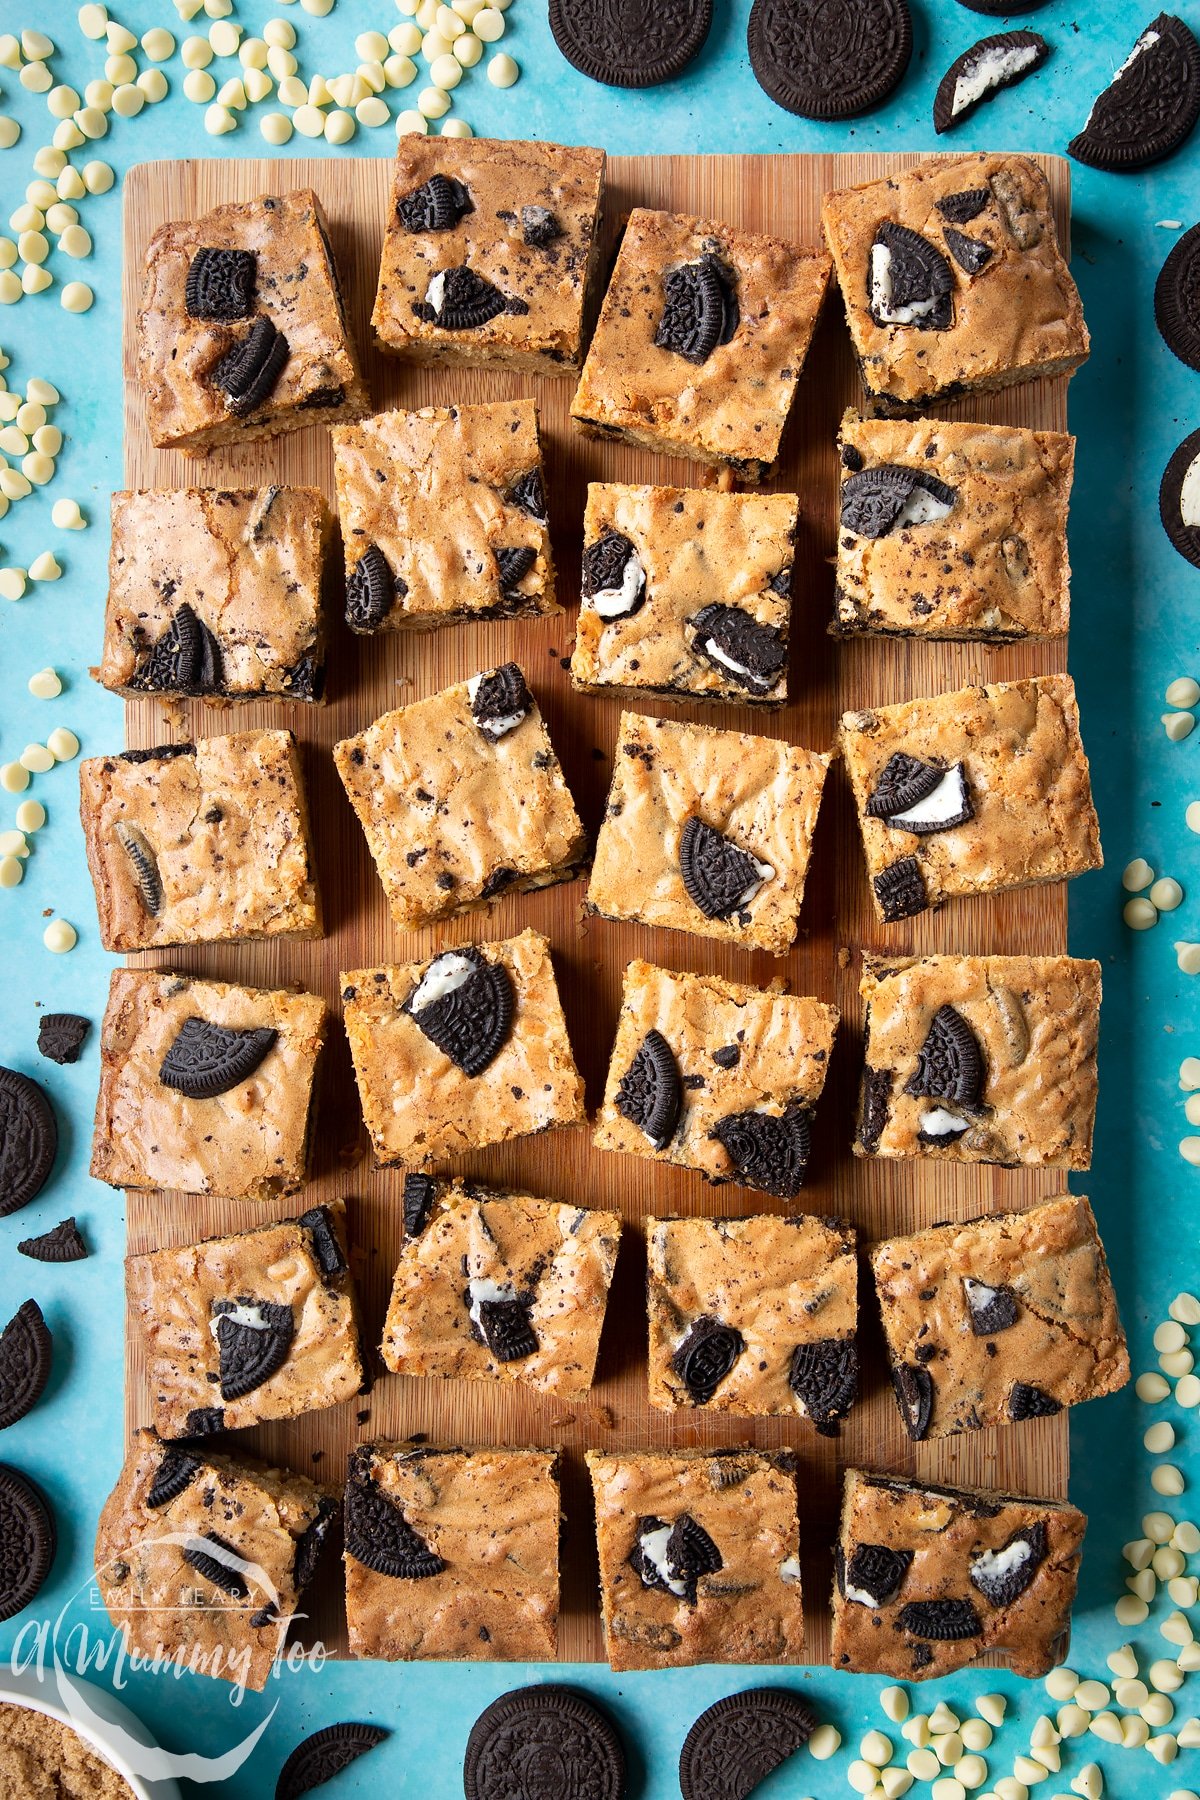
180,1602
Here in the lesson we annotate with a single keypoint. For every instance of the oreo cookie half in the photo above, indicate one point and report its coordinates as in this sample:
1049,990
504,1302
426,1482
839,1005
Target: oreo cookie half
1151,105
1177,299
464,1005
323,1755
1179,502
829,59
630,43
738,1742
63,1244
25,1356
28,1140
982,71
27,1540
543,1741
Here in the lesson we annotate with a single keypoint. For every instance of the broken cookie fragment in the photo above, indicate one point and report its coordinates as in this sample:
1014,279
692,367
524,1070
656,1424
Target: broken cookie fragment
769,1151
460,299
720,878
463,1003
650,1094
437,205
220,284
921,797
754,654
981,72
247,374
891,496
614,580
910,281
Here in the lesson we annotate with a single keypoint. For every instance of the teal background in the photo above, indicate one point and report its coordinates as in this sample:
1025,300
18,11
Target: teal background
1134,629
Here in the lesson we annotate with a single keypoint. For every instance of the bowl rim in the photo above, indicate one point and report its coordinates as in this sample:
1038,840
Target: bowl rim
30,1691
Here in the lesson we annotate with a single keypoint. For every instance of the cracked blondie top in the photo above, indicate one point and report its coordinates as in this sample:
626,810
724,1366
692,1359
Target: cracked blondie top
466,1048
686,593
242,331
1004,1318
205,1556
971,793
257,1325
701,341
707,831
500,1286
490,254
930,1579
699,1557
716,1076
953,280
462,798
452,1555
205,1087
952,531
216,593
42,1758
753,1316
194,843
980,1059
443,516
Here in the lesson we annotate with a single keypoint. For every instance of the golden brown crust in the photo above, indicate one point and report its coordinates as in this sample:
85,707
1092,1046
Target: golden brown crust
730,409
41,1758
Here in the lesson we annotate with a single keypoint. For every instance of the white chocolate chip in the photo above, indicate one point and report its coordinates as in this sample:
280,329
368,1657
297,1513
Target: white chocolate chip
1157,1438
445,71
1140,914
1189,1073
292,91
433,103
976,1734
1192,815
232,94
456,128
31,815
76,242
93,20
1144,1584
372,111
37,468
120,70
1093,1696
502,70
12,871
13,778
1151,1388
339,127
70,184
280,34
1107,1727
416,122
1130,1611
922,1765
309,121
488,24
825,1742
12,843
861,1777
1072,1721
1187,1388
60,937
1170,1335
12,584
45,684
218,120
1177,1629
1137,875
1178,725
468,49
224,37
36,78
37,759
63,744
1166,894
45,567
876,1749
1167,1479
1182,692
894,1701
120,39
1187,957
77,297
253,52
158,44
992,1707
276,127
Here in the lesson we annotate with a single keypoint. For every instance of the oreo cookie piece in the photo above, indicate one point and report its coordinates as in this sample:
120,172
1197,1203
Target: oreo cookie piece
220,284
205,1421
1002,1576
219,1562
1028,1402
913,1387
705,1356
377,1532
437,205
939,1621
185,659
1179,499
1151,105
829,59
500,701
512,566
371,591
417,1200
737,1743
506,1329
614,579
981,72
175,1473
61,1036
1177,299
920,797
206,1060
326,1247
991,1307
910,281
528,492
247,375
949,1062
900,890
26,1351
253,1341
464,1005
672,1558
461,300
630,43
823,1375
28,1141
874,1106
543,1743
719,878
701,309
27,1540
539,227
874,1574
312,1542
650,1093
768,1151
737,645
323,1755
891,496
968,203
143,865
971,254
63,1244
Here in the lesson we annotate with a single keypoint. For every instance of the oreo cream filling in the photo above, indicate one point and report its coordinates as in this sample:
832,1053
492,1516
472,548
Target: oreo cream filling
481,1290
714,652
1189,496
993,69
619,602
243,1313
435,293
444,975
862,1597
881,293
994,1567
497,727
947,802
922,508
941,1122
653,1546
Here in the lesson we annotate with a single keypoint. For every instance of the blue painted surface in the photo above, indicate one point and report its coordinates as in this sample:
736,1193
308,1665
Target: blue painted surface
1134,628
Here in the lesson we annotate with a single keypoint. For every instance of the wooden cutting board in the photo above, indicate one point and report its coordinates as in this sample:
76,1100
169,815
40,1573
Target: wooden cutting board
780,194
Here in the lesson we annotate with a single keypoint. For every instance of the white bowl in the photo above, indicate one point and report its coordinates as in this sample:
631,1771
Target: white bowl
112,1722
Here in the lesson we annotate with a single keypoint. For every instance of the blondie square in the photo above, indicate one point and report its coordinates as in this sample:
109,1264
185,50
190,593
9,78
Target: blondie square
206,1087
952,531
716,1076
953,280
204,1558
971,793
699,1557
490,254
754,1316
686,594
930,1579
242,331
462,798
499,1286
707,831
196,843
256,1325
452,1555
980,1059
216,593
443,517
1008,1317
701,341
466,1048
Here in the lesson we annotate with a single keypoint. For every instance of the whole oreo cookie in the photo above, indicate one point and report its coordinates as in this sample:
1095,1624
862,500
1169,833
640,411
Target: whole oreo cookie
1179,499
1150,106
1177,299
323,1755
27,1540
829,59
739,1741
630,43
543,1740
28,1140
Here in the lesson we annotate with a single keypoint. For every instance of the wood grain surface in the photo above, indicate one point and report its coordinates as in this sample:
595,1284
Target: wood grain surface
368,676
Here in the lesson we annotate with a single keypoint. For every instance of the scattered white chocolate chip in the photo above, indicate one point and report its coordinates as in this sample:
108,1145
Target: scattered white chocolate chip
31,815
1137,875
12,871
445,71
276,127
37,758
1189,1073
468,49
992,1707
12,843
76,297
1166,1562
416,122
922,1765
1140,914
1166,894
45,684
1093,1696
432,103
1178,725
861,1776
372,111
1131,1611
1157,1438
98,177
894,1701
339,127
14,779
12,584
45,567
825,1742
60,937
1187,957
1192,815
502,70
93,20
1187,1388
1182,692
1167,1479
62,744
1072,1721
1151,1388
875,1749
1163,1749
1170,1335
456,128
